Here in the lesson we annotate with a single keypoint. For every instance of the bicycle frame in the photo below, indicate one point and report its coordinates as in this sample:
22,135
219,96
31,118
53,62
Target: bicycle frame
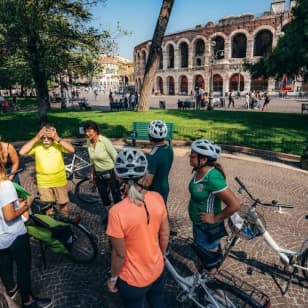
77,164
284,254
190,283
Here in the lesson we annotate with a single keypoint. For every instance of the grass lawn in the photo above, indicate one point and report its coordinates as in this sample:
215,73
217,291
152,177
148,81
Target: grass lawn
279,132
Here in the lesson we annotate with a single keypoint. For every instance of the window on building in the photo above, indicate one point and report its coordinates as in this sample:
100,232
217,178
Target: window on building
239,46
184,54
263,43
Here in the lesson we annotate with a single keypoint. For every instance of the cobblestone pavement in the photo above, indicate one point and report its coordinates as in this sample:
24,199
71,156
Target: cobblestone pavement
72,285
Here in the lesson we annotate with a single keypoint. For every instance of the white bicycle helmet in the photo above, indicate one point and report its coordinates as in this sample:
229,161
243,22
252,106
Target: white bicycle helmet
238,226
130,164
158,129
206,148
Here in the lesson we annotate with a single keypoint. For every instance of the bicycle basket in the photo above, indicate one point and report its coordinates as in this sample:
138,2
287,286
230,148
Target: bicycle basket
240,227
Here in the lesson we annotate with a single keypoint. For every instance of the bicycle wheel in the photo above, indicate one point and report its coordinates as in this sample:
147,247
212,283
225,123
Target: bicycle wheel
304,263
87,191
84,248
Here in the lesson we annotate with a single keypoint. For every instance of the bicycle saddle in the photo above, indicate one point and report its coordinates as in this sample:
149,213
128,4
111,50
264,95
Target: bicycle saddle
209,259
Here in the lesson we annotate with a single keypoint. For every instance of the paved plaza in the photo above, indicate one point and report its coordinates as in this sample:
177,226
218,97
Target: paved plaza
72,285
289,104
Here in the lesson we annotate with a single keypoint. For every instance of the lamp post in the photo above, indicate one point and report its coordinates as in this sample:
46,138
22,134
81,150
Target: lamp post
213,57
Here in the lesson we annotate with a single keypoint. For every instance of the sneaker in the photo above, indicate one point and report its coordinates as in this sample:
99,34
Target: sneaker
39,303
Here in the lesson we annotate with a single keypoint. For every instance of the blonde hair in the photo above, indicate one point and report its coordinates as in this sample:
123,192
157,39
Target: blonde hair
134,194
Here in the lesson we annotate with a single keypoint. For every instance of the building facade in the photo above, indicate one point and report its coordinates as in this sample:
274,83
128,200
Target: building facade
211,57
116,73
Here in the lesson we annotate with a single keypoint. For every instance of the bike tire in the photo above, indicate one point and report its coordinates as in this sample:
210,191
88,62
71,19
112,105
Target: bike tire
84,248
87,191
304,263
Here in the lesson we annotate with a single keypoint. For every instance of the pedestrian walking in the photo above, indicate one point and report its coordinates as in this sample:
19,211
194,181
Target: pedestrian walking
266,101
231,99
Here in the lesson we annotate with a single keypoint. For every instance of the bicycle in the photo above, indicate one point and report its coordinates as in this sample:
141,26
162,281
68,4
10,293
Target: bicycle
79,168
80,245
297,259
222,290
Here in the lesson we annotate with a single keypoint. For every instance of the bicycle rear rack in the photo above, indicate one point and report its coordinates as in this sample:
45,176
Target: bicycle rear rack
252,292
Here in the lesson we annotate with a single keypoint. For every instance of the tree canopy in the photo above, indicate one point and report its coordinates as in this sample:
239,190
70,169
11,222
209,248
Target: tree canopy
291,54
41,39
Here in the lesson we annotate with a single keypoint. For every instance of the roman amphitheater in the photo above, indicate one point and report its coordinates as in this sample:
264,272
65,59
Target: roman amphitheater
211,56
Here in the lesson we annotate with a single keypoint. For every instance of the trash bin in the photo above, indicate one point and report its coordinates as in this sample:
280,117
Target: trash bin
162,105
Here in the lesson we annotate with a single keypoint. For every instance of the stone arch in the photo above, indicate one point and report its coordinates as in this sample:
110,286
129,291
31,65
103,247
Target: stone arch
183,85
184,53
160,85
263,42
199,82
161,61
170,55
198,50
239,45
217,83
143,57
220,45
170,85
236,82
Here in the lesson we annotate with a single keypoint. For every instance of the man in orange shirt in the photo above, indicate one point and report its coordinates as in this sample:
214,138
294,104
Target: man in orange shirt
139,231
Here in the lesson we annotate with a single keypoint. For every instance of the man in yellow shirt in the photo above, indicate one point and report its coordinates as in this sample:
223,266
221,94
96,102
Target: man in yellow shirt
48,148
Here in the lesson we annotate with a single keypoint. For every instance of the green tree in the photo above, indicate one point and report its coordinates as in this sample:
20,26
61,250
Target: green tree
154,54
51,37
291,54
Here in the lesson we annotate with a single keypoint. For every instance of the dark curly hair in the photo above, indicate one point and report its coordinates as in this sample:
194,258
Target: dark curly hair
91,125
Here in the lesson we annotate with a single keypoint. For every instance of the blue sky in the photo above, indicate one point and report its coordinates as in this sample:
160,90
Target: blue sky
140,16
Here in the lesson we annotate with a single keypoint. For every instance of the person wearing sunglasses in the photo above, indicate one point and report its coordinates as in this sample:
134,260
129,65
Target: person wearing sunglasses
48,149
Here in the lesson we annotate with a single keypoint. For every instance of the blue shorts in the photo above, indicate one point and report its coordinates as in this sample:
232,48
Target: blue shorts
201,239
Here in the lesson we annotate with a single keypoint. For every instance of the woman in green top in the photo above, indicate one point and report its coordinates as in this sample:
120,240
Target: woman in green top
102,155
208,189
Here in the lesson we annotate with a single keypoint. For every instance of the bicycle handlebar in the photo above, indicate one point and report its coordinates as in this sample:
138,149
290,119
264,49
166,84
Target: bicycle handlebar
274,203
15,172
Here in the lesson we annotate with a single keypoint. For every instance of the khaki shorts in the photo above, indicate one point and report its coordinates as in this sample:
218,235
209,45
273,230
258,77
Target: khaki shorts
54,194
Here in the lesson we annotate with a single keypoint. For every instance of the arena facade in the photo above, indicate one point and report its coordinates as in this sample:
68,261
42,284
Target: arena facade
211,57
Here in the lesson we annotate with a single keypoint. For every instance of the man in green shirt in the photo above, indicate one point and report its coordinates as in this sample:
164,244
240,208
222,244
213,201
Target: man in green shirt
160,160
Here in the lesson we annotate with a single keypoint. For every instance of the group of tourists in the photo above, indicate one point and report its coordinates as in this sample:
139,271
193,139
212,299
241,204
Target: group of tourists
138,220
